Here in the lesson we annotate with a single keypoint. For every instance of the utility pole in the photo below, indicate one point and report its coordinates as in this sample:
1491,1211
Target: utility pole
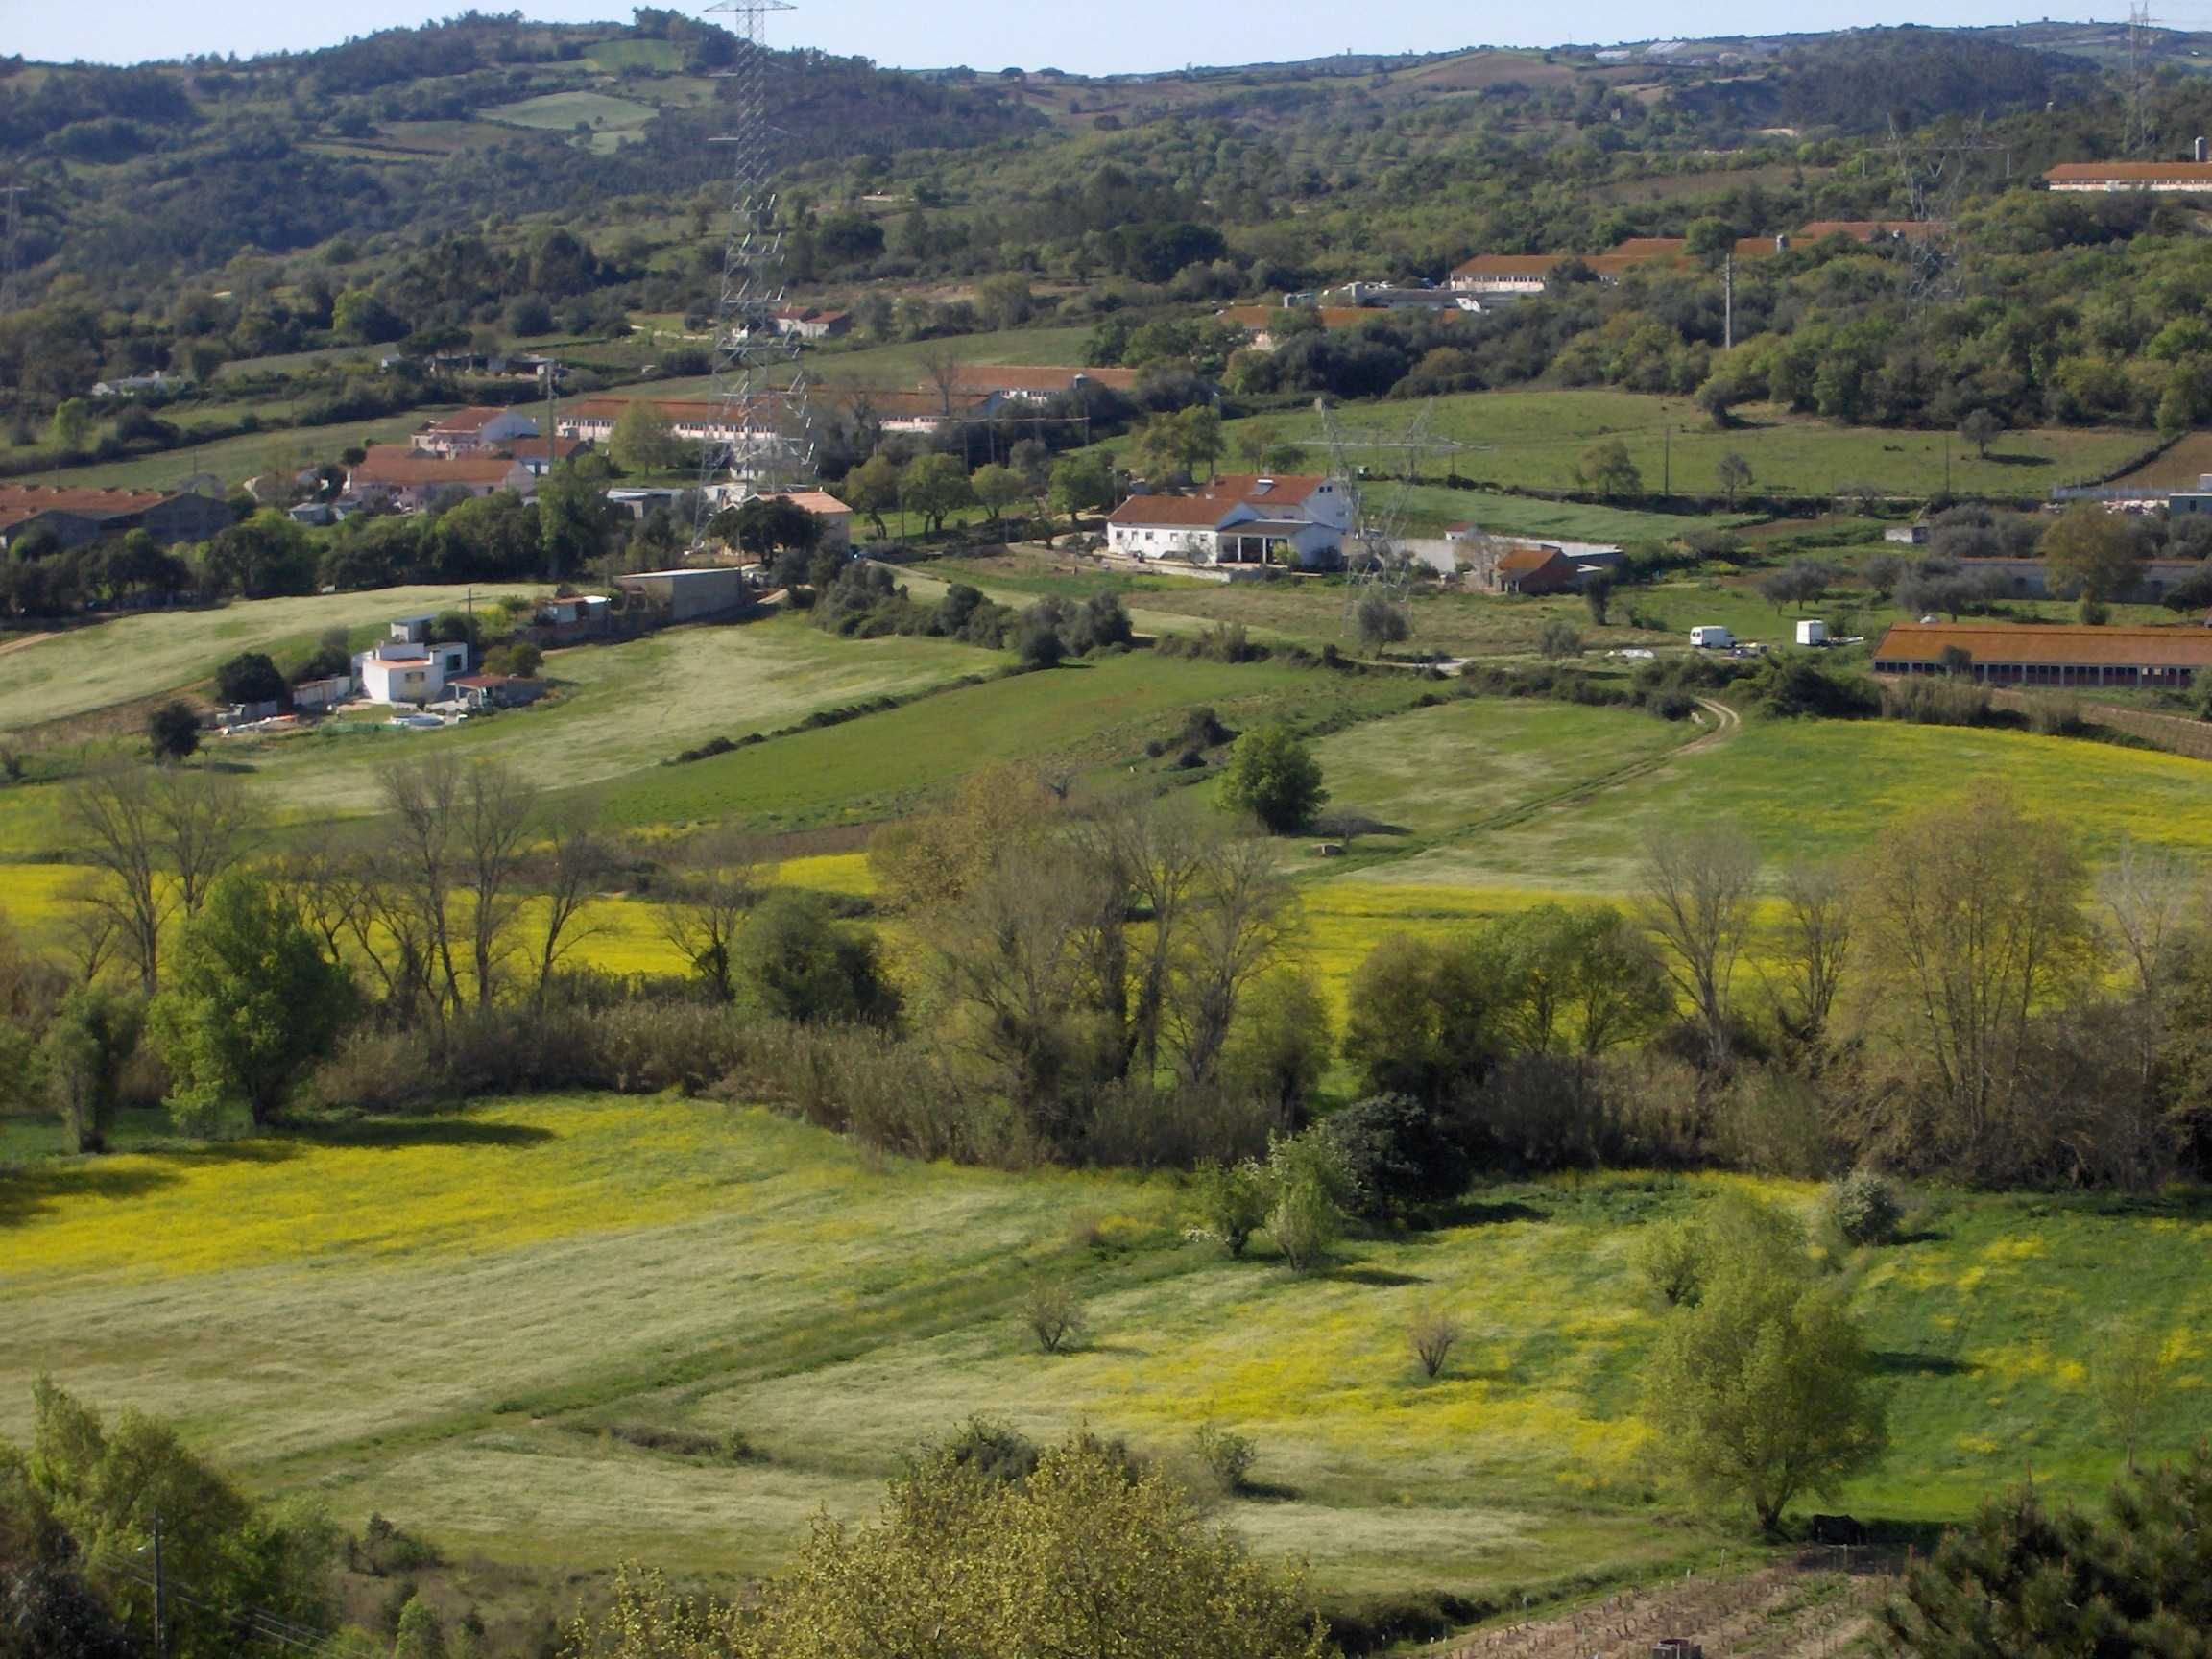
11,197
160,1596
1729,300
1946,465
1665,460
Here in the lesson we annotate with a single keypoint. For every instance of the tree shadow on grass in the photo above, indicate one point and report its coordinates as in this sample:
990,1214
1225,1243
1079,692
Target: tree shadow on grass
1472,1212
1266,1492
392,1134
1382,1278
1901,1363
2017,459
35,1189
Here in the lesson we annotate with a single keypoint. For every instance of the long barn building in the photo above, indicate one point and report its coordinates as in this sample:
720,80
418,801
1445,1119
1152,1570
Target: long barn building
2017,653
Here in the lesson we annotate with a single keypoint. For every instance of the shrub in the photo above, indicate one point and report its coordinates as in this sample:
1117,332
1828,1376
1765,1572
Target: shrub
249,677
1864,1208
1433,1333
172,732
1670,1257
1227,1457
1233,1201
1396,1154
994,1450
1053,1315
1307,1183
1937,700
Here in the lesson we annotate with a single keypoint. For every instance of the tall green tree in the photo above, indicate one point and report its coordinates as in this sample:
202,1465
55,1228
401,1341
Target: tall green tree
933,487
872,490
643,441
80,1058
250,1002
573,516
104,1482
1081,484
1761,1391
1272,775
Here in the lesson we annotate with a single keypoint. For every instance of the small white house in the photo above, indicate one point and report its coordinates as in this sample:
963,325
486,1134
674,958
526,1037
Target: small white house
407,667
1812,632
1713,637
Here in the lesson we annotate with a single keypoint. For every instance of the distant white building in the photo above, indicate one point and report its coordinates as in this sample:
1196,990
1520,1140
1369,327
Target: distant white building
406,667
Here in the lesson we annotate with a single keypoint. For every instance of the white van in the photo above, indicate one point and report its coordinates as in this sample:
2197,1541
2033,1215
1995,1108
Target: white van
1711,639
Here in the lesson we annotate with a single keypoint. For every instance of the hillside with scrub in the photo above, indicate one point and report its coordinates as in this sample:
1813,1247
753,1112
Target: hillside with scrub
1320,964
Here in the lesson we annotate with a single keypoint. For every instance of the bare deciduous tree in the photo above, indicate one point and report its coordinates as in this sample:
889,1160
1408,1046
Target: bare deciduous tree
1433,1333
116,829
1699,891
715,881
499,811
571,869
1812,947
1240,914
207,827
2129,1376
1974,912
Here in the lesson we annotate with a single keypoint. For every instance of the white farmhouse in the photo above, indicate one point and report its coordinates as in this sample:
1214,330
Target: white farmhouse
407,667
1238,518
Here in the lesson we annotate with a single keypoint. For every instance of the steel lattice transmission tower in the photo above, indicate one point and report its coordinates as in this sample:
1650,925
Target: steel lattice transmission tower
759,383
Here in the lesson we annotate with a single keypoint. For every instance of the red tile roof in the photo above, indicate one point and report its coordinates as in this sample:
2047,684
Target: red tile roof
1526,558
2130,172
1996,643
80,498
393,464
1214,502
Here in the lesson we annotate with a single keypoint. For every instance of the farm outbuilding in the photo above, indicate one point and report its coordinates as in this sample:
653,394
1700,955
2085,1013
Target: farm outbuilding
710,590
2015,654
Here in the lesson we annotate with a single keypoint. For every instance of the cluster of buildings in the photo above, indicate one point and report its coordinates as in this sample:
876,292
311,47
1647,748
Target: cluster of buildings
74,516
1517,275
473,451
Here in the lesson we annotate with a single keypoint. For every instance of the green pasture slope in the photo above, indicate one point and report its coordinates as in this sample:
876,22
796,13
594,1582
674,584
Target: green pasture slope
439,1320
1532,440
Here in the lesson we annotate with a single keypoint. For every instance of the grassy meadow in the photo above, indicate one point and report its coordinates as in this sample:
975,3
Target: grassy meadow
1532,440
442,1320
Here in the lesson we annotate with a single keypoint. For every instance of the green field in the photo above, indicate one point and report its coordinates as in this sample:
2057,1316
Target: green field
1532,440
1823,789
1435,771
620,710
435,1320
1086,716
129,658
609,119
234,459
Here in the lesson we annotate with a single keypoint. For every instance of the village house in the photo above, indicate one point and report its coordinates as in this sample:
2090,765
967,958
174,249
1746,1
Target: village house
540,455
1238,518
806,322
75,514
406,667
473,431
686,595
2022,654
693,419
832,515
409,481
136,385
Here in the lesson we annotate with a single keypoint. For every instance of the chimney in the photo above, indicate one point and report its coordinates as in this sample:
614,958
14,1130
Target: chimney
2200,150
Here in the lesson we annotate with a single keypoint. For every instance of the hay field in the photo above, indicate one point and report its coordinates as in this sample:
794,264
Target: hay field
436,1318
128,658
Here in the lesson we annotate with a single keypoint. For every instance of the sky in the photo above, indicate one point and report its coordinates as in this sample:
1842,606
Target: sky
1119,37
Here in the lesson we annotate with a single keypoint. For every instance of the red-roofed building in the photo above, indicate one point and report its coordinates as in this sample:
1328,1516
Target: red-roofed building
75,514
410,480
2023,653
1238,518
2108,177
